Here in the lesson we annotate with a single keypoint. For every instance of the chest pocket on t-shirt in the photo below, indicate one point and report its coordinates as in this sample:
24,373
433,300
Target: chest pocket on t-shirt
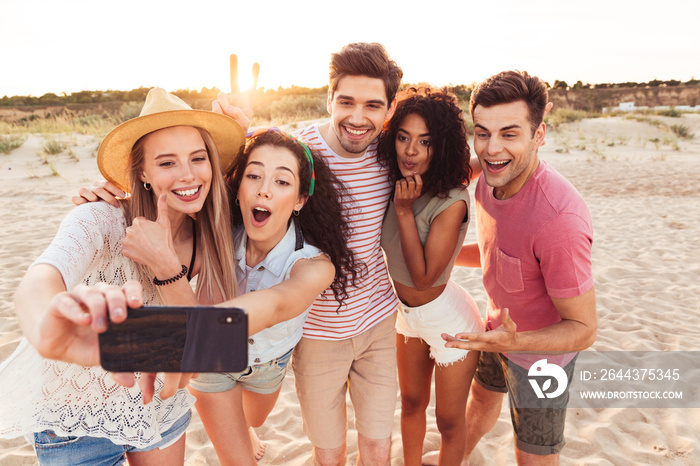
509,272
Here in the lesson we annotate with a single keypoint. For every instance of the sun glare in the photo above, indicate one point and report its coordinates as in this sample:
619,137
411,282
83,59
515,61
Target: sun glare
245,80
245,74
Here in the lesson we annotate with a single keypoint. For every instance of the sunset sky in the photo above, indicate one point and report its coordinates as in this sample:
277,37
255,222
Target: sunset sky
74,45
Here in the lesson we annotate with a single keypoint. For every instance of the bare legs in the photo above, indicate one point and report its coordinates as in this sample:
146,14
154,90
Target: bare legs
372,452
257,407
329,456
174,455
451,389
224,420
415,373
528,459
228,418
483,410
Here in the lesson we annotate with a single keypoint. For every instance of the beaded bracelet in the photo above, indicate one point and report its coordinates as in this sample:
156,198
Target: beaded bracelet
168,281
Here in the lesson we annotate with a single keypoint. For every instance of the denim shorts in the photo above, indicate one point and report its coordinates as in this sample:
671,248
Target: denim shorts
56,450
454,311
262,378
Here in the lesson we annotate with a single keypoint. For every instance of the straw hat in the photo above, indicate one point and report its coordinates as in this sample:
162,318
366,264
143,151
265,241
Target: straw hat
163,110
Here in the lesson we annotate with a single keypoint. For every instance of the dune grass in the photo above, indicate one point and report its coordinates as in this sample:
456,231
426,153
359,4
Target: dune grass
682,131
288,109
71,122
53,146
671,112
561,116
10,142
67,123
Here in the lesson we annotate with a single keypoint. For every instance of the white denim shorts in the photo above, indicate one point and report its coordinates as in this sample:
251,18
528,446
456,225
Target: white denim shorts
454,311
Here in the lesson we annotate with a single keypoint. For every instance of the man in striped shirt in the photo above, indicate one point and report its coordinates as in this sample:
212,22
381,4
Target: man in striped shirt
353,346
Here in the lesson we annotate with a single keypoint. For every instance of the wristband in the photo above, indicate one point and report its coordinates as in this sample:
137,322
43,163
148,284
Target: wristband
168,281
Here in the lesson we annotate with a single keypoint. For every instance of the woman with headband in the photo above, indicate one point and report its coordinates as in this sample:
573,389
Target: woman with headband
290,245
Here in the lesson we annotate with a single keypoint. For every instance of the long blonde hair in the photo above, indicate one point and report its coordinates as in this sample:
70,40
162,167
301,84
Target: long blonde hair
212,224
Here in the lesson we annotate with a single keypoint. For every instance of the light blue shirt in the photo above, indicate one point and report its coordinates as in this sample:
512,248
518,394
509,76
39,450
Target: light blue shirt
275,341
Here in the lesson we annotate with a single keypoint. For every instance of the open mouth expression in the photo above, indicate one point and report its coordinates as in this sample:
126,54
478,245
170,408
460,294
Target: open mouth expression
260,215
496,166
269,193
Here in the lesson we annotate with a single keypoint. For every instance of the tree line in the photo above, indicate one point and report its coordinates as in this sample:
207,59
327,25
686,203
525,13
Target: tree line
139,95
653,83
462,91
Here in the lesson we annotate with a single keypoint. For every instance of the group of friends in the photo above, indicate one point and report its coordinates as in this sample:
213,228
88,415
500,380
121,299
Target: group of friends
321,236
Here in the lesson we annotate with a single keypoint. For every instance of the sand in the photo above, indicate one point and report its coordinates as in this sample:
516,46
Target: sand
641,184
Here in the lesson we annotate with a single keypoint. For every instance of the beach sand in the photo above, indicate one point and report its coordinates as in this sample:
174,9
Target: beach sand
642,186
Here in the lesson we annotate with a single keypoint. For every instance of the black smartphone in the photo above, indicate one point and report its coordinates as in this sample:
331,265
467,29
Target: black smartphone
177,339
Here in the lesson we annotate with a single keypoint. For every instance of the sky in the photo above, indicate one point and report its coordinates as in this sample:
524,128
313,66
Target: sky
74,45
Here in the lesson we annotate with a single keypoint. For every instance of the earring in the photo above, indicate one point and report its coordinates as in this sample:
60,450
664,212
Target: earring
236,202
146,186
296,213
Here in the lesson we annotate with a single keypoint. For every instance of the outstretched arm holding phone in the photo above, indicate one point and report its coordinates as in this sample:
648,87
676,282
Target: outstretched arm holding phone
148,243
64,324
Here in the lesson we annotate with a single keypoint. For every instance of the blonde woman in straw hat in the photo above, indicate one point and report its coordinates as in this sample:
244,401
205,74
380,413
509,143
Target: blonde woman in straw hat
171,160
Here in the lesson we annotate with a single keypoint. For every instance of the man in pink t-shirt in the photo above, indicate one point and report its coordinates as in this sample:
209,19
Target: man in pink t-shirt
534,237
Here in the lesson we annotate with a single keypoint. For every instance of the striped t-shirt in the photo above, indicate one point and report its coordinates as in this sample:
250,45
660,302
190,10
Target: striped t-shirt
373,299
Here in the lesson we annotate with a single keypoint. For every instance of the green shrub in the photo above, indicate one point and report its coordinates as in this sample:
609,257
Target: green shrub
53,147
565,115
129,110
88,124
672,112
291,108
682,131
643,119
10,142
298,107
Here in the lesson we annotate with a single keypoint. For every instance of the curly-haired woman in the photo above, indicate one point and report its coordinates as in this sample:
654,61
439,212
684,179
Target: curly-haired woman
424,145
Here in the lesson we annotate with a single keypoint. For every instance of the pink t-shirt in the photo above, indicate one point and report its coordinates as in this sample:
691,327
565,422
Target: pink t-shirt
534,245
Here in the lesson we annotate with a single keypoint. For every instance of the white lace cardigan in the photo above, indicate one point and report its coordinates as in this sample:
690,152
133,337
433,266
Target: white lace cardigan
38,394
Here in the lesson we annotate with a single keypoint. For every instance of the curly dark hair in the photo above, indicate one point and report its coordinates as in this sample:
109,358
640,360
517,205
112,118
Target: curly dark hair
449,163
322,218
